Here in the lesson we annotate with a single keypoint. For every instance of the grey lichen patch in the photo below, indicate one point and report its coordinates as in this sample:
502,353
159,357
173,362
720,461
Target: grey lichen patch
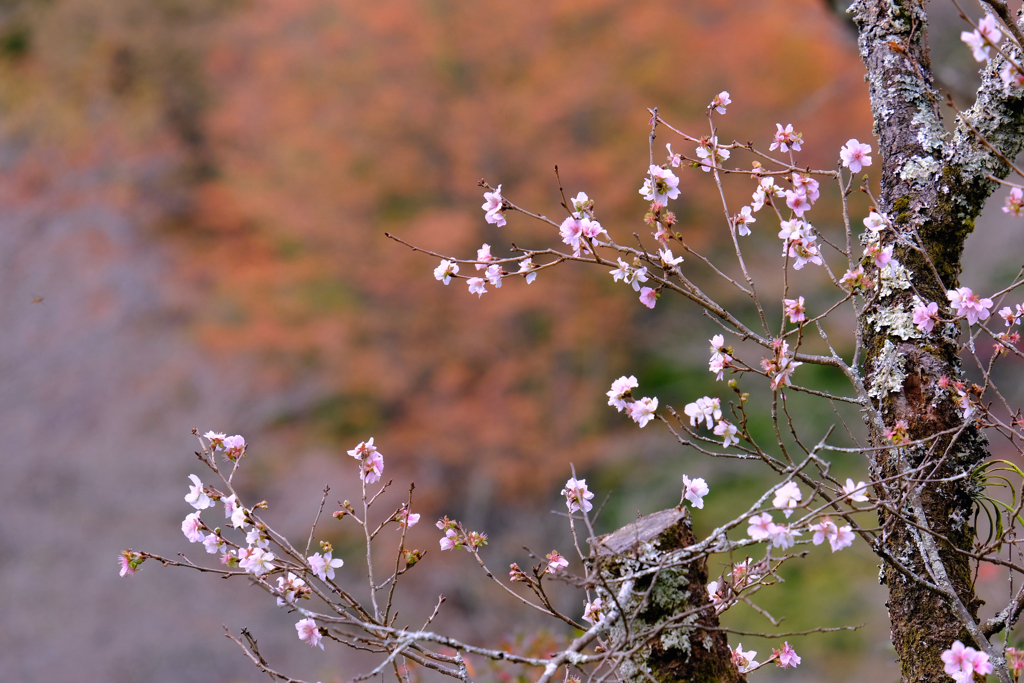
894,277
928,135
920,170
899,322
890,372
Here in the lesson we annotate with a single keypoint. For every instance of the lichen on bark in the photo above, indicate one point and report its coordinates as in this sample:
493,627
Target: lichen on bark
675,622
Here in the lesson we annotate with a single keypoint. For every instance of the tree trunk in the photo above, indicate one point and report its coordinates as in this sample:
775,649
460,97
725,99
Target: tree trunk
667,648
932,186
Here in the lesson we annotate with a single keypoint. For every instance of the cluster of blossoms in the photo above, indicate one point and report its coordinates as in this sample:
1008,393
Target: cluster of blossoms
786,139
620,397
786,658
455,536
963,662
372,462
963,301
709,410
581,228
577,495
1014,202
743,574
721,356
494,207
787,498
958,391
781,367
633,274
983,38
710,154
233,447
799,243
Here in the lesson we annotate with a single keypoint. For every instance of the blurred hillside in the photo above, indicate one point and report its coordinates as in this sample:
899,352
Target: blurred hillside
198,192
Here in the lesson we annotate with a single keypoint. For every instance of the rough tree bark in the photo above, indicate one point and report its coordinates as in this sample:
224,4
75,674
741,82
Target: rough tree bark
933,185
681,648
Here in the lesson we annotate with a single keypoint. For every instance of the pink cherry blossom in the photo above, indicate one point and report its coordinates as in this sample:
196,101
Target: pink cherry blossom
674,158
742,220
621,387
782,535
807,186
555,562
782,376
288,588
881,255
129,562
694,491
494,275
234,447
476,286
926,315
372,468
728,430
571,232
720,102
1015,661
855,492
324,565
257,561
577,495
309,633
483,254
216,440
744,661
363,449
493,207
841,538
760,525
667,259
592,611
213,543
793,231
958,659
786,658
794,308
196,497
720,358
785,139
528,269
787,497
1014,201
648,297
582,204
823,530
1012,77
804,251
445,271
710,153
966,303
643,411
256,538
875,222
407,519
661,186
798,202
705,408
192,528
855,155
450,540
981,39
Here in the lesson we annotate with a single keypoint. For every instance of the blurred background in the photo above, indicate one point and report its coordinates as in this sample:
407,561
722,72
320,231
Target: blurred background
193,200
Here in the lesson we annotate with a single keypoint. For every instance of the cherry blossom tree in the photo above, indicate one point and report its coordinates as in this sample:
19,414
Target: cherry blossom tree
648,608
